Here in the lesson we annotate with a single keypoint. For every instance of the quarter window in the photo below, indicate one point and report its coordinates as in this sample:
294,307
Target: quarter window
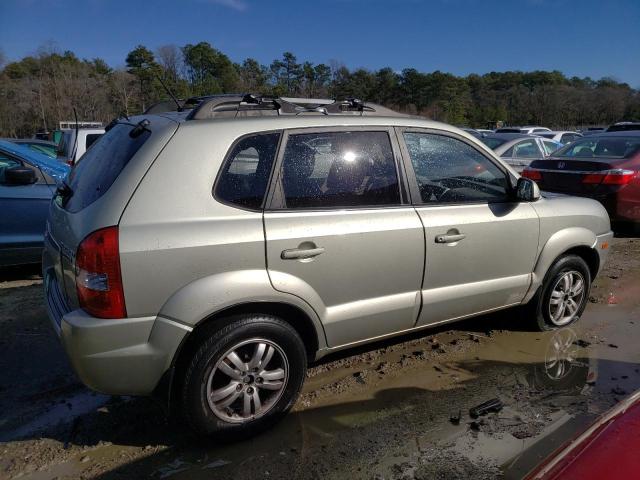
339,169
245,175
450,171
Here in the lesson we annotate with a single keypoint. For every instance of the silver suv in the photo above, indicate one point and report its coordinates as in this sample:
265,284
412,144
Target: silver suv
209,255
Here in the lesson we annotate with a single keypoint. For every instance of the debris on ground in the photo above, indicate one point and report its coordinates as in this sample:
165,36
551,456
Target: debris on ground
455,419
493,405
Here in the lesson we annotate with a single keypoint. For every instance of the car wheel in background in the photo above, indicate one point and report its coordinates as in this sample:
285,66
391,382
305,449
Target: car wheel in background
243,377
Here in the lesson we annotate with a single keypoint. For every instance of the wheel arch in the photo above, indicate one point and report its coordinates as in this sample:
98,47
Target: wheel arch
575,240
292,314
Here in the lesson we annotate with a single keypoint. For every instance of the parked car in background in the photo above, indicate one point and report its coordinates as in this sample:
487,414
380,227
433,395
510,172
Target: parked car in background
69,150
41,146
527,129
292,231
27,183
592,130
471,131
603,166
564,137
518,149
608,448
624,127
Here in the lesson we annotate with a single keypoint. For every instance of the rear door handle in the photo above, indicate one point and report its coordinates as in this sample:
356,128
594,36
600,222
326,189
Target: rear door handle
450,238
301,253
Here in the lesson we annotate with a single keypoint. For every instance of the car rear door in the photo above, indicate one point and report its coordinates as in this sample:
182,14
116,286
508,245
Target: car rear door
480,242
340,234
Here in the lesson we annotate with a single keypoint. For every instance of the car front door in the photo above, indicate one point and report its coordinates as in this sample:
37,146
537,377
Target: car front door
23,213
340,235
480,242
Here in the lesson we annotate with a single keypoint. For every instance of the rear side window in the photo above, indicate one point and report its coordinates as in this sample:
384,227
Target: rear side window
245,174
91,138
100,166
526,149
339,169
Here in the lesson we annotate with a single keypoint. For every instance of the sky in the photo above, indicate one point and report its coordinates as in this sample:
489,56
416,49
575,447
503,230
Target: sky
595,38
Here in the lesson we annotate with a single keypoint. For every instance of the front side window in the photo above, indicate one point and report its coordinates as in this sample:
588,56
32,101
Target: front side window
451,171
7,162
339,169
245,175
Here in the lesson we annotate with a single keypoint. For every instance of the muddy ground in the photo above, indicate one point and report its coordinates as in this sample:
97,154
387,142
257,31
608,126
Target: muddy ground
387,411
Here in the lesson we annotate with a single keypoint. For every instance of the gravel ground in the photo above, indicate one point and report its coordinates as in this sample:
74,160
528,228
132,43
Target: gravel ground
390,410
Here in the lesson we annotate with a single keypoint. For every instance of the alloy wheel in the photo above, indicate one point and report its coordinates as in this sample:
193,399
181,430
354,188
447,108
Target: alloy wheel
247,381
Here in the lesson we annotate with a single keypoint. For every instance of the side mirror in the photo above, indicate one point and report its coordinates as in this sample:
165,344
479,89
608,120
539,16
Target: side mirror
527,190
19,176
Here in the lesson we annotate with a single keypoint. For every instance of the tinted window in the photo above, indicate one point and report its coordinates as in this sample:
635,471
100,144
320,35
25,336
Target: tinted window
526,149
588,147
91,138
339,169
100,166
493,143
448,170
568,137
245,175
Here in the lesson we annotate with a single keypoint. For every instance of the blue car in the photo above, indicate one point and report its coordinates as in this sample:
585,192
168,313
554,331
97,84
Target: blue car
27,183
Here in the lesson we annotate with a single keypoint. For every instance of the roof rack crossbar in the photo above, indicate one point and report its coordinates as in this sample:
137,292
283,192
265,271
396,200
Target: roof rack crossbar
223,105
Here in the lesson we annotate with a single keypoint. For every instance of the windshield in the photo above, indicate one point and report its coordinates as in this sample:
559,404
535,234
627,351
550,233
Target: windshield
614,147
493,143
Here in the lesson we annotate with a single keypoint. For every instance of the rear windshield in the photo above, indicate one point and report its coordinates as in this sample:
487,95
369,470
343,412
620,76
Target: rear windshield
96,171
611,147
493,143
508,130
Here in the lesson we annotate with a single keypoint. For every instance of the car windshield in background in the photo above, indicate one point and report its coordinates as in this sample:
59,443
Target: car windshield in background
615,147
101,165
493,142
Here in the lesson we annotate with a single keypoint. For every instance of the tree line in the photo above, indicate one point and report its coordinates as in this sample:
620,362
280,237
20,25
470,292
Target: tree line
40,90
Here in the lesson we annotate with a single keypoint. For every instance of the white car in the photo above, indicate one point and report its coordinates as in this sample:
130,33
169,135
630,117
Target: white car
563,136
72,151
527,129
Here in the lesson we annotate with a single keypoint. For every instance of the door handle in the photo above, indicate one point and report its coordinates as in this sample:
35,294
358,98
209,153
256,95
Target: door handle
301,253
450,238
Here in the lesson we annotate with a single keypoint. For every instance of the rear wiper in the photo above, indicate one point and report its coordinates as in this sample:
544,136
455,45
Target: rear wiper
63,191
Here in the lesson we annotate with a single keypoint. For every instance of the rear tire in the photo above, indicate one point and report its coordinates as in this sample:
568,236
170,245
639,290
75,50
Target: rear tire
244,377
563,295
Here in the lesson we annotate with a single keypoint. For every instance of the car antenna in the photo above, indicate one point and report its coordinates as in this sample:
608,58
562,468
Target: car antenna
72,155
173,97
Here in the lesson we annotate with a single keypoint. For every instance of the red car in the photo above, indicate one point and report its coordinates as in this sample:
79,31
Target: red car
609,449
603,166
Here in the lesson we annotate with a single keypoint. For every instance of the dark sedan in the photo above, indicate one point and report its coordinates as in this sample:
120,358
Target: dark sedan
603,166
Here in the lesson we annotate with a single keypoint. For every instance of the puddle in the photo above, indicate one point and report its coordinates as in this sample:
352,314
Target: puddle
66,411
358,419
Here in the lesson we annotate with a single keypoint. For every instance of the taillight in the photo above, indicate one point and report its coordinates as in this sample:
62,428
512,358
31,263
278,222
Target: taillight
98,277
532,174
609,177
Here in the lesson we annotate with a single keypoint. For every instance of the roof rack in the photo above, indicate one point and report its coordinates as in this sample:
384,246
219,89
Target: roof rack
243,105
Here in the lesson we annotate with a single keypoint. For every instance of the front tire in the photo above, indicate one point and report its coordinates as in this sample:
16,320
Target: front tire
563,295
244,377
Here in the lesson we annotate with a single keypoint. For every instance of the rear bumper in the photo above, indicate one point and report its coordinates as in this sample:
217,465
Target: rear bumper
116,356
